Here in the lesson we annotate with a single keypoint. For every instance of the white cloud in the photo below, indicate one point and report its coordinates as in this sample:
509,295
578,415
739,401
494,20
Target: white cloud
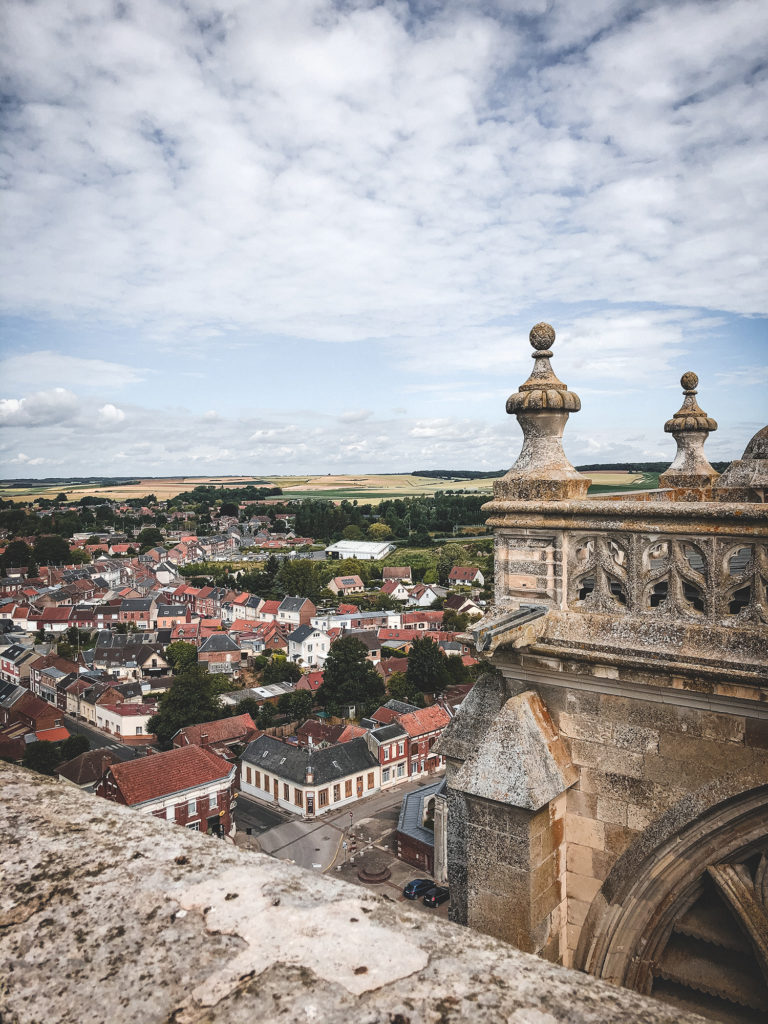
109,415
352,172
43,408
49,369
26,460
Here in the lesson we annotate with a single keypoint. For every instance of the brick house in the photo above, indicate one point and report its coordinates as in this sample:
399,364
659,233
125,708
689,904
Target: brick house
295,611
389,745
220,653
222,736
190,786
139,611
128,721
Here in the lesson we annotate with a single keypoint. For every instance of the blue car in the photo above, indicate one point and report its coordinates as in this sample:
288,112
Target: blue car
417,888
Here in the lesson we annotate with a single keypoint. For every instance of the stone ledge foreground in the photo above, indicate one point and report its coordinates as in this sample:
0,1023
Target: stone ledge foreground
108,915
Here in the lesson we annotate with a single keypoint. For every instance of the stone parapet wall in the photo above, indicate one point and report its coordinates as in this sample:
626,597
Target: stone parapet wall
107,914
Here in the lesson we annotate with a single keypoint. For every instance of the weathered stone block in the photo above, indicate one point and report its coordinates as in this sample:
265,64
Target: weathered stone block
582,803
577,911
611,810
581,887
585,832
756,732
579,858
639,817
636,738
584,727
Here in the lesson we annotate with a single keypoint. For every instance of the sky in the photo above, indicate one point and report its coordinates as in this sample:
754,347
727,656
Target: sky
304,236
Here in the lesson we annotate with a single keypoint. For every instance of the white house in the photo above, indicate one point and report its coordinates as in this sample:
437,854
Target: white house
127,721
309,646
366,550
308,781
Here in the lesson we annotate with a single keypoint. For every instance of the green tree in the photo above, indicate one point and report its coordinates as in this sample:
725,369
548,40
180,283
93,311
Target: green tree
266,715
79,557
247,706
150,536
455,621
17,553
427,669
181,656
399,688
191,699
280,670
297,705
73,746
228,508
42,757
447,557
352,532
51,550
379,531
349,678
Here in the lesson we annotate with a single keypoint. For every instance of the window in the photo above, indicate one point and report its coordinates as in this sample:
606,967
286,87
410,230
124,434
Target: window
170,813
386,753
194,827
286,791
192,807
213,801
401,770
298,798
348,787
336,793
266,782
248,776
139,730
370,780
401,748
322,798
385,775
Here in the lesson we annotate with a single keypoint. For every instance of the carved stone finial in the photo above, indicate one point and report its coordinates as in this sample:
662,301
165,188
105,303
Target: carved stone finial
690,426
542,405
746,479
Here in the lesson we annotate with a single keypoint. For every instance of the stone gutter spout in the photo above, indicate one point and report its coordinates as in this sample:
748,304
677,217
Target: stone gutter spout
494,628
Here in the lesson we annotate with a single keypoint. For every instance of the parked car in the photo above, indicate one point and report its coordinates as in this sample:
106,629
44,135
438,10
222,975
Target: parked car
437,894
418,887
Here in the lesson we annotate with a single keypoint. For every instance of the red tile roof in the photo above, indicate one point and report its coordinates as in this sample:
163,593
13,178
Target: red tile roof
223,730
55,735
151,778
312,681
416,723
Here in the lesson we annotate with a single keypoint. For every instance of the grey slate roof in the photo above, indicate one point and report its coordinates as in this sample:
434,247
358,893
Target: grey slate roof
412,813
218,642
291,604
300,634
387,733
329,764
400,707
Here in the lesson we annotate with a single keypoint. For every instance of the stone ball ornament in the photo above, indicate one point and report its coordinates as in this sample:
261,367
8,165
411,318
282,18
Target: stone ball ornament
542,336
689,381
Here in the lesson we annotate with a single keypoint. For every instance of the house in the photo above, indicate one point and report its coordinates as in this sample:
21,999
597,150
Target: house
462,605
295,611
86,770
312,681
387,666
395,589
140,612
389,745
365,550
398,573
346,585
190,786
19,706
370,640
466,576
308,782
425,594
309,646
415,833
268,611
126,721
15,663
170,615
220,653
224,737
424,726
55,619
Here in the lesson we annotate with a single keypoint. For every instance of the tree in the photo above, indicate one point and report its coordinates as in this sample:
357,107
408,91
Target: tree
427,669
349,678
455,621
280,670
51,550
228,508
299,705
247,706
352,532
399,688
181,656
191,699
42,757
17,553
79,556
449,556
73,746
379,531
150,536
266,715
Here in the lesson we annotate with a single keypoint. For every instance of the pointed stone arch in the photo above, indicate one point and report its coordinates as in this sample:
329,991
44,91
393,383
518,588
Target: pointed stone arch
699,868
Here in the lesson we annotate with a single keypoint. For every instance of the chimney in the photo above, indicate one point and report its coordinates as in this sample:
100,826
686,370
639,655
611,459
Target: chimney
309,775
203,739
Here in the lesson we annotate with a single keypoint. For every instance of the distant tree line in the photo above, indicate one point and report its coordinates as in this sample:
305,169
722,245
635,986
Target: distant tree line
638,467
458,474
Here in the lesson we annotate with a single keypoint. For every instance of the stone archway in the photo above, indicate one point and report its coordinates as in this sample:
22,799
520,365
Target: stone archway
684,912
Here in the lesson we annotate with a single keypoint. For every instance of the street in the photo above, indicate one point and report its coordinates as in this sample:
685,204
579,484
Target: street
316,844
99,740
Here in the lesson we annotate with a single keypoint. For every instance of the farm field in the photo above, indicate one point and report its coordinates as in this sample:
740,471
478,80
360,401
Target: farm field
371,488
